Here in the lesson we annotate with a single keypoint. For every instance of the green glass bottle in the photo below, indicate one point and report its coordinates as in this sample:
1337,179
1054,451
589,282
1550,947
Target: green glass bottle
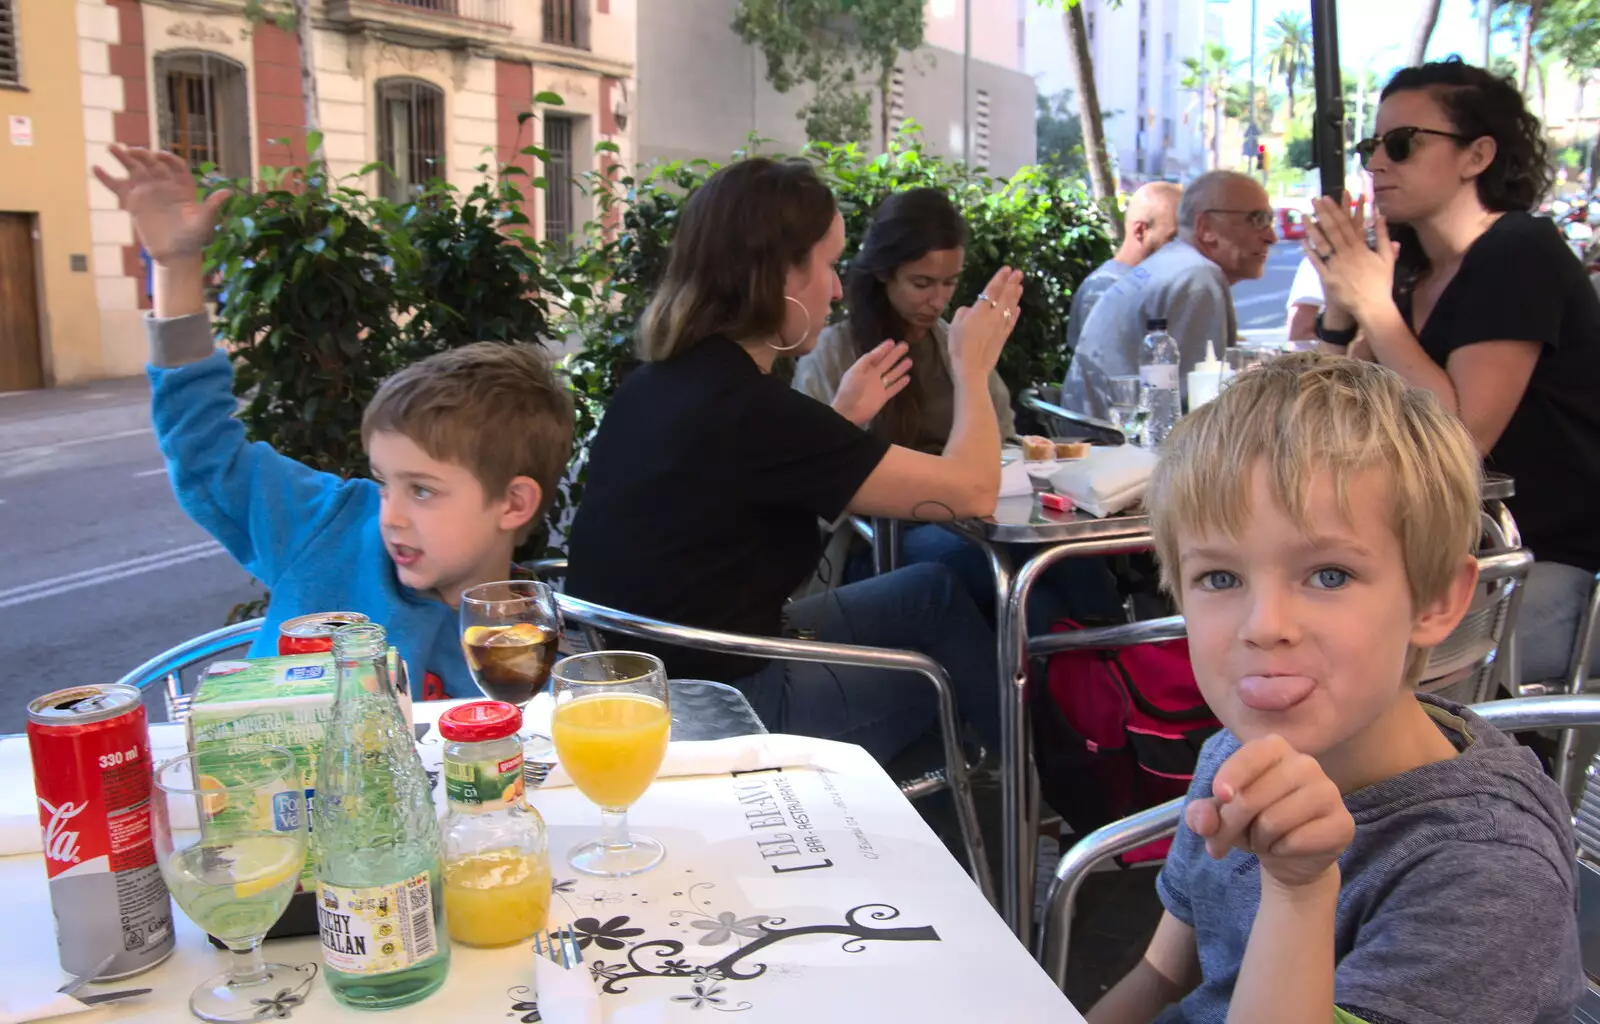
380,900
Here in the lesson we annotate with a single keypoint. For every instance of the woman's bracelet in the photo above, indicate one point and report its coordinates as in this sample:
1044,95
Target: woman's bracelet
1330,336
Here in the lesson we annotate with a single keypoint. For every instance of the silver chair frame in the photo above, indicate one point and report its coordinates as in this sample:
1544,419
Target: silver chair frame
641,627
1065,421
168,666
1504,572
1562,711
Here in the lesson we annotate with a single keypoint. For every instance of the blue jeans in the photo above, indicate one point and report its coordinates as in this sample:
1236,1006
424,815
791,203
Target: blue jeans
1074,588
1553,600
921,608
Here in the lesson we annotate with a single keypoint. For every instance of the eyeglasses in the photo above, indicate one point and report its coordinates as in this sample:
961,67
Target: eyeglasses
1260,220
1396,143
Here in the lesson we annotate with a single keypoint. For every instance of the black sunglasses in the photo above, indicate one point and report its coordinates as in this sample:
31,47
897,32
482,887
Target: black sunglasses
1396,143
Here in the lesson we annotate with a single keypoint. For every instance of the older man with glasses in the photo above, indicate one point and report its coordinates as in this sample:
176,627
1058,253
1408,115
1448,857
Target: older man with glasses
1225,231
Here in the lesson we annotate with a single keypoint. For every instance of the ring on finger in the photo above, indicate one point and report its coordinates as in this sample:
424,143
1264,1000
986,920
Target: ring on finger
1006,313
985,297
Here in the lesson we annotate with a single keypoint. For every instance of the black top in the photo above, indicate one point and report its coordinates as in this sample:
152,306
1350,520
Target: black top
1520,282
706,482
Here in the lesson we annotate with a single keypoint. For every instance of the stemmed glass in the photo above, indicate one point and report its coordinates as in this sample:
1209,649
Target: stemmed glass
611,725
509,633
1129,407
235,871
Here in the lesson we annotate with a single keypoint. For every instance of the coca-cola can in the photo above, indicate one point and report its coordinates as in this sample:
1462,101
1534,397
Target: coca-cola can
93,778
313,634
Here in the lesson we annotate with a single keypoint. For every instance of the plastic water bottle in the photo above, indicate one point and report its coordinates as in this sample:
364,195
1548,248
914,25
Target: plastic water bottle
1158,368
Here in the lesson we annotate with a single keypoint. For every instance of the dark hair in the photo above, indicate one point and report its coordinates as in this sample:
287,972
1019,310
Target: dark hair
907,226
1478,104
738,236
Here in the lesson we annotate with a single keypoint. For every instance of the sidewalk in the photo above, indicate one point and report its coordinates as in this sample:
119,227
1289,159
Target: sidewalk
53,416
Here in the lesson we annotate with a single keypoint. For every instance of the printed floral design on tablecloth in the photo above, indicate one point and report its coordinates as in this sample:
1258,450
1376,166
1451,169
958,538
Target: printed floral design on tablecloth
282,1003
611,935
522,1002
709,982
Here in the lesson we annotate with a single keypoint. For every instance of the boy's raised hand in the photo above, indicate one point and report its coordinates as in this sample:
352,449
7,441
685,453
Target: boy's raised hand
1277,803
159,192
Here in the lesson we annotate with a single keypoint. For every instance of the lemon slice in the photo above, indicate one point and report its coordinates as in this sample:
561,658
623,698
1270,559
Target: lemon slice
212,802
264,862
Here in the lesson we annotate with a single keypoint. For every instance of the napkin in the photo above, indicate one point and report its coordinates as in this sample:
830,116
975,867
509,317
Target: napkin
16,1008
719,757
1107,480
1014,480
565,996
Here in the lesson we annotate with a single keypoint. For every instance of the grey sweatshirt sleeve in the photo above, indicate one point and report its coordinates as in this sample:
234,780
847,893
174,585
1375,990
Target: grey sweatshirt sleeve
818,372
178,341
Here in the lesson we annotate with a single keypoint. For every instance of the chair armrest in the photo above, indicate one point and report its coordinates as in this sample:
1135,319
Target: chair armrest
191,652
1098,638
1108,433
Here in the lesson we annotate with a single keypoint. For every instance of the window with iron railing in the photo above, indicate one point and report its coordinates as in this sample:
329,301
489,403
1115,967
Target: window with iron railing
559,187
10,56
495,12
202,111
410,136
566,23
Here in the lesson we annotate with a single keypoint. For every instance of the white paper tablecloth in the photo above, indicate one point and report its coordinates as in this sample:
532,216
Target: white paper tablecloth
792,895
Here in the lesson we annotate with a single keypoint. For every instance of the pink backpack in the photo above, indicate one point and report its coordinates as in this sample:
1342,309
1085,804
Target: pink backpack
1117,731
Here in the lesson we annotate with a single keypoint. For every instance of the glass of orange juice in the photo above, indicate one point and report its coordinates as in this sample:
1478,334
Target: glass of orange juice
610,726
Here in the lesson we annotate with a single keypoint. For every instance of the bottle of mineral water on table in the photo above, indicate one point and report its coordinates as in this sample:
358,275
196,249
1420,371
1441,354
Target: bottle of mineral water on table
380,905
1158,368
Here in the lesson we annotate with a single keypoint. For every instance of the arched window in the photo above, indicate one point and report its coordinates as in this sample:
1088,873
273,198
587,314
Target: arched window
410,136
203,111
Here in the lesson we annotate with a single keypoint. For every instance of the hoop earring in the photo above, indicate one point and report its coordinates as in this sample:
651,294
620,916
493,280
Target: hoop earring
803,337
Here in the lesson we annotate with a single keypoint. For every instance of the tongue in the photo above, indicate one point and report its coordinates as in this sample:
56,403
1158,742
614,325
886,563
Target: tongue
1274,693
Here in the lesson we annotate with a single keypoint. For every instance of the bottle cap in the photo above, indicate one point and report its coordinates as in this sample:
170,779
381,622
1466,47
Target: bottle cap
1211,362
480,721
1156,323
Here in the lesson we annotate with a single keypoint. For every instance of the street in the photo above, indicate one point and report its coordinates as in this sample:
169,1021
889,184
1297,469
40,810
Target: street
1261,303
102,570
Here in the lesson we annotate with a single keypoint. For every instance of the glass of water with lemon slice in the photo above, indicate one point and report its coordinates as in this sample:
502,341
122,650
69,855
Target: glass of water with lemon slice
230,836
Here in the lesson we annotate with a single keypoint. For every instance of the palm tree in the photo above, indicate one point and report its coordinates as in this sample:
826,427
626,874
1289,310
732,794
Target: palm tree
1208,75
1289,53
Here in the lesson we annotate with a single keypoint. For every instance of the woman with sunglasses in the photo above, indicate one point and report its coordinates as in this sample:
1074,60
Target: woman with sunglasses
1468,295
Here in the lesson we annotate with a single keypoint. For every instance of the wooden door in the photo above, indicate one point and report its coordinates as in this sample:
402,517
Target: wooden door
20,363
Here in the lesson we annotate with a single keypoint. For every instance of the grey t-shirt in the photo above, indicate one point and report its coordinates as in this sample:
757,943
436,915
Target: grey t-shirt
1089,291
1178,283
1458,900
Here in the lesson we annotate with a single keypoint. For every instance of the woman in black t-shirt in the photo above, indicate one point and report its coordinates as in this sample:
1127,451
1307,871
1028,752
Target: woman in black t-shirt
1483,304
709,476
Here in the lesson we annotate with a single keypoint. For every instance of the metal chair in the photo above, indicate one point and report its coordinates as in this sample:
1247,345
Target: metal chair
1064,422
595,618
1467,667
1564,711
1575,680
169,666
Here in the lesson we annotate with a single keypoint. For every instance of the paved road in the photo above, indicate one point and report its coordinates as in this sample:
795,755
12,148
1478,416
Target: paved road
1262,303
100,568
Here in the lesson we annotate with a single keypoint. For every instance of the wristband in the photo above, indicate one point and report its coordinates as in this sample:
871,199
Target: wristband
1339,337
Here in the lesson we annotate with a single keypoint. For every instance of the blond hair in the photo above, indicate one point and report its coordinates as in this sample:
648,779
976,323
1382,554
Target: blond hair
1303,414
494,408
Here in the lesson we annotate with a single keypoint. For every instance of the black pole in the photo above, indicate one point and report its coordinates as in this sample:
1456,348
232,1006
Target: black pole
1327,129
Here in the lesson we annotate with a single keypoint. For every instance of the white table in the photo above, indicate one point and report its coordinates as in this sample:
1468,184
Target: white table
800,894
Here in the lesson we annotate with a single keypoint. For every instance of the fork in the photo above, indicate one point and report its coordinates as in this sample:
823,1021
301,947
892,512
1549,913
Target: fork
561,947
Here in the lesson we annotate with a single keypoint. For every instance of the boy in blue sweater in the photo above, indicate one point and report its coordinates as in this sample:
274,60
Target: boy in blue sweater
1351,850
466,449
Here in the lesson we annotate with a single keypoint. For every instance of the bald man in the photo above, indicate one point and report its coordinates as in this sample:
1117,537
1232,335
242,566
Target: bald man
1225,231
1151,222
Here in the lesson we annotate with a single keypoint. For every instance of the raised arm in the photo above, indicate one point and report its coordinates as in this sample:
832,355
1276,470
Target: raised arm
1482,382
965,480
262,506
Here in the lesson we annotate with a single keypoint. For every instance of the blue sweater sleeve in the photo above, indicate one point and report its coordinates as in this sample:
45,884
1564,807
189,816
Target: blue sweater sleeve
262,506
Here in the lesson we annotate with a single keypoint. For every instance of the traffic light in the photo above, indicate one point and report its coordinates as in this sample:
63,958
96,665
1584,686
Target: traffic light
1261,158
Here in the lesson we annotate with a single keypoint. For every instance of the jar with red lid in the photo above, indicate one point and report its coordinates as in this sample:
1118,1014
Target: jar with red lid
496,849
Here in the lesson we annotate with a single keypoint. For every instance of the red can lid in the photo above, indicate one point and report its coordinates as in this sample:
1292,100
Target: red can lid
480,721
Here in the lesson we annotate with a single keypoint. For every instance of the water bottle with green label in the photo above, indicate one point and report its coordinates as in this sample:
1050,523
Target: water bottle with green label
380,901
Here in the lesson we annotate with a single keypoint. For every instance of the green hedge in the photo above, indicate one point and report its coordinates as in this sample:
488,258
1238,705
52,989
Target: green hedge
326,290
